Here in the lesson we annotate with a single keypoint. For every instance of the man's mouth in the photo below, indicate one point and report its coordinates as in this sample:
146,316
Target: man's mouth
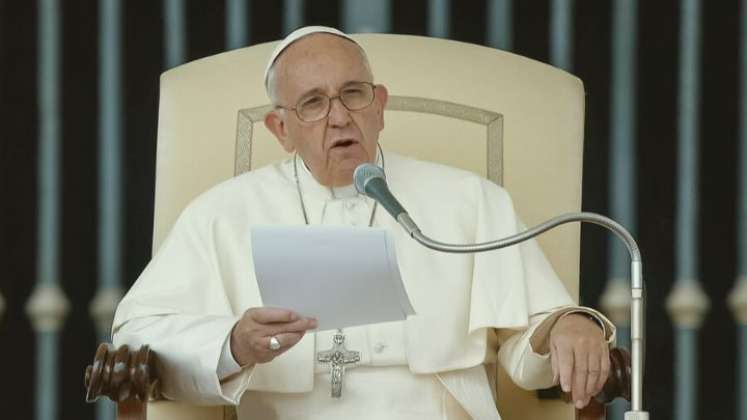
343,143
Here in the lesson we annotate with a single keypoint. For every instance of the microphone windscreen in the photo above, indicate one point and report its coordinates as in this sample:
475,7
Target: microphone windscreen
365,173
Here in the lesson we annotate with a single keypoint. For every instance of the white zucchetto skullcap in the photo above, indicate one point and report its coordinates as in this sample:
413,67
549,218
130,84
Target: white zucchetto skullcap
295,36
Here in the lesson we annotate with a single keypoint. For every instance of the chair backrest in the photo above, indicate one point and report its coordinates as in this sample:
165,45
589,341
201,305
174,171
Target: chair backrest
516,121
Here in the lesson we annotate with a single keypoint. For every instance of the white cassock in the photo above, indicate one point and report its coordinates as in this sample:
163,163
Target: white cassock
434,365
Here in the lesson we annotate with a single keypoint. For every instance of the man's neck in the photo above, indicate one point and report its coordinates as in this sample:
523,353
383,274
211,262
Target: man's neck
334,183
346,191
344,183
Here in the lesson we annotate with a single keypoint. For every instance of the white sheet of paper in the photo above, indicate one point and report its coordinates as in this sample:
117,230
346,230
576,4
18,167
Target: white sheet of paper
343,276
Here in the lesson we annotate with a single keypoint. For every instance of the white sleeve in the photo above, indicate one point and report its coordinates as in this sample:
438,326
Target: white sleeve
189,350
179,307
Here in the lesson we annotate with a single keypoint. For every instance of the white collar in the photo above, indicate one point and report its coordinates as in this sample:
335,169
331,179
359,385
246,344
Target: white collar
310,184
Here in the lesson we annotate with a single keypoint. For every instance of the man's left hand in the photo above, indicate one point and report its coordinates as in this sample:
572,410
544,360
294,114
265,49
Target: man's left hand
580,357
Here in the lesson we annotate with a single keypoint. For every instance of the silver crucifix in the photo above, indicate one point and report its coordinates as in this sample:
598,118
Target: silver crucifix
338,357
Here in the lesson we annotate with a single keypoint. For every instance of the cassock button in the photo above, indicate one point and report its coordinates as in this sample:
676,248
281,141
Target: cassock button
379,347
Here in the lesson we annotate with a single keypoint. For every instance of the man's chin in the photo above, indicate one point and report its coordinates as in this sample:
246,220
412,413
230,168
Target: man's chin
343,174
344,166
350,161
343,177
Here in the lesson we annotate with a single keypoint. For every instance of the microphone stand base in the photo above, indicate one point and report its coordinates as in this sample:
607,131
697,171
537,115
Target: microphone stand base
636,415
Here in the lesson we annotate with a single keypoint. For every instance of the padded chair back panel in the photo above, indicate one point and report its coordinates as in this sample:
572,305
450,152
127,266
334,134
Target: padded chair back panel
514,120
168,410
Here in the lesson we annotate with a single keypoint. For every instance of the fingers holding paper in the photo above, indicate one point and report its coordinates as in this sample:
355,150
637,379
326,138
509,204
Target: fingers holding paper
262,334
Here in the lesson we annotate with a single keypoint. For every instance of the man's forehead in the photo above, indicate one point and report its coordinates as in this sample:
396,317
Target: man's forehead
318,49
297,35
317,64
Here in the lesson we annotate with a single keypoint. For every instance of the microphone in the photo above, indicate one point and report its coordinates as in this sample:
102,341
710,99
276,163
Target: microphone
370,181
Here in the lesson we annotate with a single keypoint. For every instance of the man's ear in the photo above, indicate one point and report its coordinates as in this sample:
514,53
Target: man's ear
276,124
382,96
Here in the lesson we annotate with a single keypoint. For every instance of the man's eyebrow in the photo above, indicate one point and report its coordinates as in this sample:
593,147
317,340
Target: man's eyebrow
313,91
318,90
352,82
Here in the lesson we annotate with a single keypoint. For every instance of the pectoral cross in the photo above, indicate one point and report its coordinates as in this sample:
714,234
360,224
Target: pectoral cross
338,357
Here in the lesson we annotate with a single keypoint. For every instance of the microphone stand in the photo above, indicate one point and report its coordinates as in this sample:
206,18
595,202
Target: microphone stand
636,270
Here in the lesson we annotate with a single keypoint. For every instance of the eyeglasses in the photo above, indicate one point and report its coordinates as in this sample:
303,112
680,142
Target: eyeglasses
354,96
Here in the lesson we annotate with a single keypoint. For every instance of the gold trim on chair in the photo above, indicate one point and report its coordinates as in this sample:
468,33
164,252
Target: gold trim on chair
244,134
491,120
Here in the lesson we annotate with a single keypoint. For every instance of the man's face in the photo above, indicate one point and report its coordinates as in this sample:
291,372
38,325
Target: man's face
334,146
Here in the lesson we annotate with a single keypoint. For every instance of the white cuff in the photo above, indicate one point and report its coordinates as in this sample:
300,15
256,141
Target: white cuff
227,365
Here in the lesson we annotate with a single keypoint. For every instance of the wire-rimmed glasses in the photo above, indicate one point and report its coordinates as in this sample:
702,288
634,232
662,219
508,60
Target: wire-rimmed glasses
353,96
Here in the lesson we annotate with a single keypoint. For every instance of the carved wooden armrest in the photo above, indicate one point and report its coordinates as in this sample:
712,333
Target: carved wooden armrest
129,378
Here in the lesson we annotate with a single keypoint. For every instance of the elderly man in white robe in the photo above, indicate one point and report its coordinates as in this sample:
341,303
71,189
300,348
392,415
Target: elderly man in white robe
197,302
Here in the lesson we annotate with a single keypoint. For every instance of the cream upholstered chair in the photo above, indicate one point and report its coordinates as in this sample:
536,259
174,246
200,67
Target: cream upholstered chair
516,121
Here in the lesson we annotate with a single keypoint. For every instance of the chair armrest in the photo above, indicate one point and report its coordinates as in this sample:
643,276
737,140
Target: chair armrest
127,377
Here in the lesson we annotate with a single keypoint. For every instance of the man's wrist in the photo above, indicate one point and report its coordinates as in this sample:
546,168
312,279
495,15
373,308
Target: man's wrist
540,338
593,318
236,351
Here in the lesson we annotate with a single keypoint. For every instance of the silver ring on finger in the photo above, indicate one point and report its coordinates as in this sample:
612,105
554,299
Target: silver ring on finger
274,343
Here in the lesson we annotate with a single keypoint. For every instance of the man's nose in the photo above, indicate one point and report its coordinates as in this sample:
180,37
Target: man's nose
339,116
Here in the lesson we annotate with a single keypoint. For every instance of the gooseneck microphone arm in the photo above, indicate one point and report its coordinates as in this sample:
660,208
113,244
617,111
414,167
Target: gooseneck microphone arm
370,181
636,269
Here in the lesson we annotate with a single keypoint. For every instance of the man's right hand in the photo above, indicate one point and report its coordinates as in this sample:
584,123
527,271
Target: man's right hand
250,337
